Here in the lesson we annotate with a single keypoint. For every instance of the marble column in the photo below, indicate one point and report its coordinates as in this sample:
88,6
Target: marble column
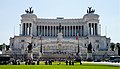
67,30
78,30
38,30
41,30
47,30
20,30
31,29
55,30
94,28
97,26
52,30
25,28
90,28
28,29
82,30
72,30
44,30
64,31
75,31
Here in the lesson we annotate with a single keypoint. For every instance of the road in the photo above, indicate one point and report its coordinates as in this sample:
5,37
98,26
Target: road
107,63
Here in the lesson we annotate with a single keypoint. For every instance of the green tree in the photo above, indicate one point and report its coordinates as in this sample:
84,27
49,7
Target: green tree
0,47
112,46
118,46
4,46
7,47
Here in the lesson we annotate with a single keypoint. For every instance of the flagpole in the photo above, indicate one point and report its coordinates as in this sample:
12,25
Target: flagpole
78,44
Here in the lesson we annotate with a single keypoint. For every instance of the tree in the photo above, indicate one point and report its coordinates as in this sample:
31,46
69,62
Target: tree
112,46
7,47
4,46
118,46
0,47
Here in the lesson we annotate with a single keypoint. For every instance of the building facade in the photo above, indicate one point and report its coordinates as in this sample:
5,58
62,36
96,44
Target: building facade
44,34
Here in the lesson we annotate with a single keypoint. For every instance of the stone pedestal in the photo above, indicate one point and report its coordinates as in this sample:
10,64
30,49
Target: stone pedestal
116,51
89,56
40,55
3,51
60,37
59,41
30,55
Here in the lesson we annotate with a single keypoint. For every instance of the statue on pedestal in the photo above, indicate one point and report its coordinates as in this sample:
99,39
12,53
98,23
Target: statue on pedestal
89,54
29,11
60,28
90,10
60,37
30,54
89,48
30,48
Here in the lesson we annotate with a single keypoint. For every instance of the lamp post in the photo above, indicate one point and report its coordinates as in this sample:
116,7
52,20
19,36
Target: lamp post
41,45
40,48
77,38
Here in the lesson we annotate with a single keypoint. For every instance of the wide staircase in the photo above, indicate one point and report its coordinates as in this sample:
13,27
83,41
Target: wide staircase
57,55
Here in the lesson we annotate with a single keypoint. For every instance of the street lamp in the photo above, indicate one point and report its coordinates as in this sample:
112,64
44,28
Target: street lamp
78,46
78,43
41,45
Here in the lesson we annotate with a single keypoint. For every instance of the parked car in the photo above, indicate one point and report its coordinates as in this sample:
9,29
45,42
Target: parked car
116,60
97,60
89,59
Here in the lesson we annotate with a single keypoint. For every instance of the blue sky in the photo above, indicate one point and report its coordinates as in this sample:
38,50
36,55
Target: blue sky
10,11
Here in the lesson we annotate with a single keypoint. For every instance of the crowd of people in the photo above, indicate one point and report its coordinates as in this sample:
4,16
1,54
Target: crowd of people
47,62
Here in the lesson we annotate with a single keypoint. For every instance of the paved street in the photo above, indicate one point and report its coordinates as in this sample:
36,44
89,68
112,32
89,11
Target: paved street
108,63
